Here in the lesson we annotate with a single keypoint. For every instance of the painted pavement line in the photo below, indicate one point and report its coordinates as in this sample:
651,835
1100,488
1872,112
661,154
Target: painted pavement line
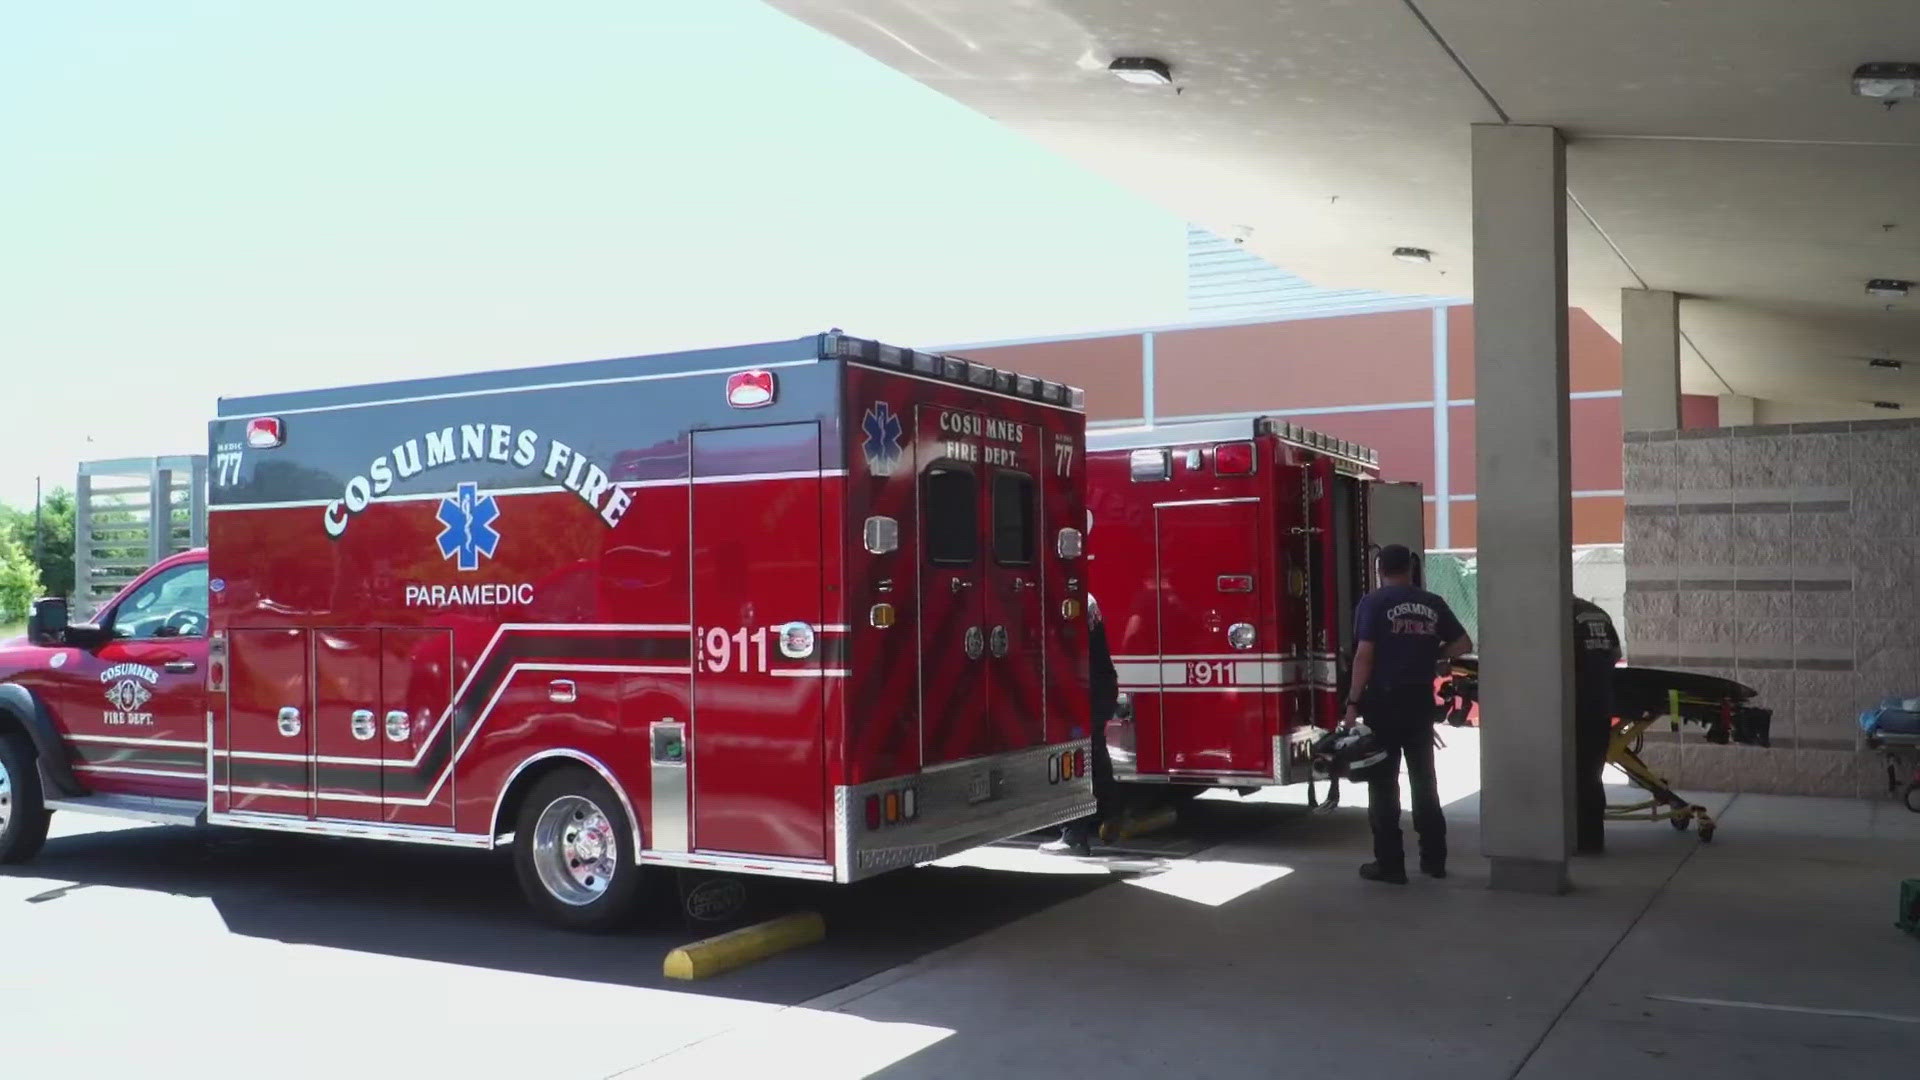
1854,1014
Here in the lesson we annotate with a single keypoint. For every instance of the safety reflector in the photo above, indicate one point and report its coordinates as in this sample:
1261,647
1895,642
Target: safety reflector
1053,769
873,811
1080,762
880,616
1069,608
909,804
1233,459
893,807
265,432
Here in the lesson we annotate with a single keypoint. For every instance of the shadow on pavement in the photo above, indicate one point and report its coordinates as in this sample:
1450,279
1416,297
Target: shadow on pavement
465,908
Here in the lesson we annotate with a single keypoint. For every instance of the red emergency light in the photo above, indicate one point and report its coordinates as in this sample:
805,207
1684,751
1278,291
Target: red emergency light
265,433
1233,459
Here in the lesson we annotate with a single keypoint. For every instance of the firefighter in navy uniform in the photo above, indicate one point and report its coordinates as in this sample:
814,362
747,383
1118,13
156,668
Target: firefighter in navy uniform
1401,634
1077,836
1596,649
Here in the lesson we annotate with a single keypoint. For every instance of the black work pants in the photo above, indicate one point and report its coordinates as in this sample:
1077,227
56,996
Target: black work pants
1592,728
1402,719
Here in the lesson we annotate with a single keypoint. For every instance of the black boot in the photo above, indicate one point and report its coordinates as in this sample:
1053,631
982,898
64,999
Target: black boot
1391,875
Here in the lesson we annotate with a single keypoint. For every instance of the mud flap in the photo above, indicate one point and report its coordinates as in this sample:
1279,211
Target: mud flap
713,903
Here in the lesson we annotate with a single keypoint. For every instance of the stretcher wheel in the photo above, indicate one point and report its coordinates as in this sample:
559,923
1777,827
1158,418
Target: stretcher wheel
1680,821
1706,832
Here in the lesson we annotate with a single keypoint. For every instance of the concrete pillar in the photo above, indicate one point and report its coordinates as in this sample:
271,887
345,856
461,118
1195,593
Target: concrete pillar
1736,410
1649,360
1525,504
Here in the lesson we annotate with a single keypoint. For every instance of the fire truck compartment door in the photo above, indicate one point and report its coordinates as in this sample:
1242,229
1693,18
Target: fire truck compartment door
345,732
955,718
754,741
413,730
1215,694
269,736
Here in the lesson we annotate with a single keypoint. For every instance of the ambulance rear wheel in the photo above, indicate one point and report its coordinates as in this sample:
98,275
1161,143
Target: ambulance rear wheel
23,816
572,853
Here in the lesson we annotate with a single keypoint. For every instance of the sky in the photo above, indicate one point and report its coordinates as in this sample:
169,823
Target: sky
207,199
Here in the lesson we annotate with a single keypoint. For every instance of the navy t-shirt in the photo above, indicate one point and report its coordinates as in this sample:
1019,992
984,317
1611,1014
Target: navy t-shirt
1408,627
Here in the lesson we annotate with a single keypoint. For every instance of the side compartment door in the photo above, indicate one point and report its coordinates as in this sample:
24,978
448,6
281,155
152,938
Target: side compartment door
345,724
415,732
953,626
1213,692
754,742
269,736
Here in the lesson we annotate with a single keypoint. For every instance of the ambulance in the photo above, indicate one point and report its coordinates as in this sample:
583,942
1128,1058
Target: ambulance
811,608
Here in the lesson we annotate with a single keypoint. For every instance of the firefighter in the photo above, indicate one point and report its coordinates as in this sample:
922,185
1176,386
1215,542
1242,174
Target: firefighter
1401,635
1596,649
1077,836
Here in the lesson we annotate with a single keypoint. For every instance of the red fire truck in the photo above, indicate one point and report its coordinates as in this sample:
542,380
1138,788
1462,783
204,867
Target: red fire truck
811,608
1227,557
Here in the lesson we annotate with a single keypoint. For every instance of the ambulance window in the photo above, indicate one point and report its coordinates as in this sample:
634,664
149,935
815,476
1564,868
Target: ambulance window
1012,519
951,514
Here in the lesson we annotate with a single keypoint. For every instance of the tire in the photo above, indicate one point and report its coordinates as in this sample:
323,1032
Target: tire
572,853
23,813
1912,797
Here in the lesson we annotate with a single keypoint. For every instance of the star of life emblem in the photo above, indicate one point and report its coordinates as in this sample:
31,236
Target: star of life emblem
880,444
466,518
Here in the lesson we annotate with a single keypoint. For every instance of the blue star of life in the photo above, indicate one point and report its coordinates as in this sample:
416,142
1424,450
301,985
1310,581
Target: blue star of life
882,443
467,531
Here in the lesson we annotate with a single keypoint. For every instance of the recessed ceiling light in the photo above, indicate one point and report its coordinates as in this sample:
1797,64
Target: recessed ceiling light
1413,255
1887,82
1894,405
1142,71
1888,288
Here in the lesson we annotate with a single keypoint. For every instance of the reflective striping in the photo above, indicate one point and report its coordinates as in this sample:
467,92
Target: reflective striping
809,673
123,770
124,740
543,489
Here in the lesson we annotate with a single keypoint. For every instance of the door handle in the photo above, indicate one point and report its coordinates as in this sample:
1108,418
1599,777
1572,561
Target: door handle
363,724
179,667
956,584
398,726
562,691
997,641
1021,583
976,643
289,721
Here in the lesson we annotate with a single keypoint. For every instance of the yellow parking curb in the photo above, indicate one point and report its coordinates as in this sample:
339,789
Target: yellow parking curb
741,947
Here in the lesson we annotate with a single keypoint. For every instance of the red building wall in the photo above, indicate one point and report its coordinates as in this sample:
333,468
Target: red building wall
1400,381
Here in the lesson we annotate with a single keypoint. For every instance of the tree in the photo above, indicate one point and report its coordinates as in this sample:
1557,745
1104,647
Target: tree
19,581
54,544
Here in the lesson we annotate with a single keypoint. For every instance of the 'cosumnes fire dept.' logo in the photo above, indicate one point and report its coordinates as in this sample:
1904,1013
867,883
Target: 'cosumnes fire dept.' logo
129,687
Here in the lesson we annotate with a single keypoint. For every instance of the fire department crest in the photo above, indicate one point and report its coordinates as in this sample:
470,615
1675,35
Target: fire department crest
129,688
881,443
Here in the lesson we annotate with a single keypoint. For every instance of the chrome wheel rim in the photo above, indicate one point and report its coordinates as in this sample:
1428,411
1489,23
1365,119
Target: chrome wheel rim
575,850
6,797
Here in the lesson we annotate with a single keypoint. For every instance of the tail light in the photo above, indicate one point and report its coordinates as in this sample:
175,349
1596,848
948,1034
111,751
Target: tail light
1080,762
873,811
1233,459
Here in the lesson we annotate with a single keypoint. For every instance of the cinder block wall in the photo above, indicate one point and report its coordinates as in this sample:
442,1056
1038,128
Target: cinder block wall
1784,557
